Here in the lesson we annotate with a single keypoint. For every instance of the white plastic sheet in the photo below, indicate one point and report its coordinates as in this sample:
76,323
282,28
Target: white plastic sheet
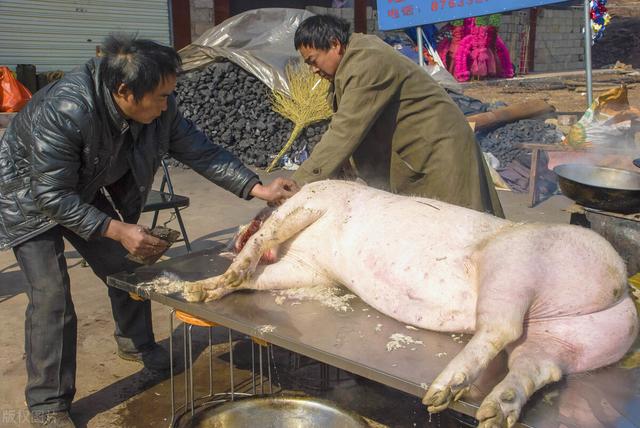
259,40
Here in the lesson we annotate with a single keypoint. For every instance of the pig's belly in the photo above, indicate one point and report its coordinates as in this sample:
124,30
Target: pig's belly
438,295
407,260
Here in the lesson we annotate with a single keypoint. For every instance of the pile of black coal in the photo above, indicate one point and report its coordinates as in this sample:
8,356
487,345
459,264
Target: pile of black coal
233,108
503,142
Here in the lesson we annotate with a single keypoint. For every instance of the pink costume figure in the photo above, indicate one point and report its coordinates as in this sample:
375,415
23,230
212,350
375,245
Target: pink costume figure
482,54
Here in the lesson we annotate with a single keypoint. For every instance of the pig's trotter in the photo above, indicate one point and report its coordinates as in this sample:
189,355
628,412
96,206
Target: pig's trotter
193,292
530,368
217,294
438,398
197,291
490,416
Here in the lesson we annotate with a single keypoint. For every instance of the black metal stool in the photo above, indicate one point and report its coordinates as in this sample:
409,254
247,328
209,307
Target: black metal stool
158,200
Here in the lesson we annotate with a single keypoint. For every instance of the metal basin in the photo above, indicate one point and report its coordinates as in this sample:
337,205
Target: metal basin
602,188
277,412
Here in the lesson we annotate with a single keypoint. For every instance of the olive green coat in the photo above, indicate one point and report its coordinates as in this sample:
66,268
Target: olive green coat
402,130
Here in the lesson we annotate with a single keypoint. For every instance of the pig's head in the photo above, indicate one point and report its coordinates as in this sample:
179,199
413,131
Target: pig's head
246,231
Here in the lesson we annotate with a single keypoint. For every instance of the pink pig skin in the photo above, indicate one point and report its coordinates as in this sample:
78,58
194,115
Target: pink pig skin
554,296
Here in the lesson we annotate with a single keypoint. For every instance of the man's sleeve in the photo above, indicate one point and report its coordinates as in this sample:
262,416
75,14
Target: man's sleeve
191,146
55,165
366,92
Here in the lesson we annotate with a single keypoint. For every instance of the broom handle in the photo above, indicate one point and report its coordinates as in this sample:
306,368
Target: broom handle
294,134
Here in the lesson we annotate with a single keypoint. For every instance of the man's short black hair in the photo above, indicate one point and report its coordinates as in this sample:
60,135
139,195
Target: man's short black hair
138,63
318,31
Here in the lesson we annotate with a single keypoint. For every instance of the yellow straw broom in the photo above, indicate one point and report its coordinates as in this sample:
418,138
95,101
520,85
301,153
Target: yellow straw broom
306,105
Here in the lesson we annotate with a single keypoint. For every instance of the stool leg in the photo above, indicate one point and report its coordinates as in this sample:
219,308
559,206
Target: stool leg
190,368
155,219
261,373
324,375
269,369
253,368
173,402
210,366
183,230
231,366
186,370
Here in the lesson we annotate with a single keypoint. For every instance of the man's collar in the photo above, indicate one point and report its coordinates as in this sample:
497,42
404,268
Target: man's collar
117,119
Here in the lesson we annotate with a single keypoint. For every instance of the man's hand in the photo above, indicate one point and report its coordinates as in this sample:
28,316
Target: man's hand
135,239
275,192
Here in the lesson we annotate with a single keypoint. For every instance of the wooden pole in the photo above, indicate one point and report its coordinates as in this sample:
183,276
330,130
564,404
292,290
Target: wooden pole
359,16
181,21
221,11
531,48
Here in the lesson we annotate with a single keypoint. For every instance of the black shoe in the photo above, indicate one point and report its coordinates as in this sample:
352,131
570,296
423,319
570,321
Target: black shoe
60,419
153,358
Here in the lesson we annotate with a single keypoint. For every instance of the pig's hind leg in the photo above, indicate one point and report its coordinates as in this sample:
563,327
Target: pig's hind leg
499,323
552,347
532,364
503,300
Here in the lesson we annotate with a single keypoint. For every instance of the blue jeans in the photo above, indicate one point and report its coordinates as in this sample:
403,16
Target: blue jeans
51,323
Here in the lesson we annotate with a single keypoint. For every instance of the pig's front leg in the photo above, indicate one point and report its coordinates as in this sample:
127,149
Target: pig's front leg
290,272
283,224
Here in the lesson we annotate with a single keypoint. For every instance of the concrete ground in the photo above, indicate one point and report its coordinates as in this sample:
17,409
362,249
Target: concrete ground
113,392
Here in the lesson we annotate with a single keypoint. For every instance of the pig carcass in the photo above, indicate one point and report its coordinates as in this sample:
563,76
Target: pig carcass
554,296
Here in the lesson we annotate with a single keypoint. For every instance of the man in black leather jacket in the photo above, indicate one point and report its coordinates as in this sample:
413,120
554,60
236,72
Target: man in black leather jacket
103,128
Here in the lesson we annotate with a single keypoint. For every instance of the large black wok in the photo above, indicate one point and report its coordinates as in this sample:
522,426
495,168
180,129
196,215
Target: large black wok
599,187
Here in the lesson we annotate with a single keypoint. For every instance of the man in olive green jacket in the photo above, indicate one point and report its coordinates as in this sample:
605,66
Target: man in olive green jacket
400,128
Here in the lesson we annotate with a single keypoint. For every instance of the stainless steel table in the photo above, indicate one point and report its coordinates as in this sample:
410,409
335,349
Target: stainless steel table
356,341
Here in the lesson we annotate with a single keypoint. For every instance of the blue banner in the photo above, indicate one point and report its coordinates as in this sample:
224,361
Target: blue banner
394,14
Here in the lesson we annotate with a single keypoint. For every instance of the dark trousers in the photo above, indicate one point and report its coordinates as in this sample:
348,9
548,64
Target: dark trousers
51,323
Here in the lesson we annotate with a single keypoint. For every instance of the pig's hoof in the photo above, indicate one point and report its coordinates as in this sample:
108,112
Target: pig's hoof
491,415
216,294
437,400
193,292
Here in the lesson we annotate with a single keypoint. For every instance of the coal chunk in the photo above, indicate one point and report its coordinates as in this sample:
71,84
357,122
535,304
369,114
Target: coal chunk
234,109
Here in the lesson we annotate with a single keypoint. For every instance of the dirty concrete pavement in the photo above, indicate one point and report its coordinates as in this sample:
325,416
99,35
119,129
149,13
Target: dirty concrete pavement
113,392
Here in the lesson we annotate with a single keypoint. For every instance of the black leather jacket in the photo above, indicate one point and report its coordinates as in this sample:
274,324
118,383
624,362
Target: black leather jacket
55,154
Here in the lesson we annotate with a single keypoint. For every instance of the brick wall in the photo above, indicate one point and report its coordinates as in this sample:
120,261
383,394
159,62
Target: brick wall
559,40
201,17
514,33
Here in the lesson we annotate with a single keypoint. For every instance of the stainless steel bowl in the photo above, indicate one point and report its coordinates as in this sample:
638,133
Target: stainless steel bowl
277,412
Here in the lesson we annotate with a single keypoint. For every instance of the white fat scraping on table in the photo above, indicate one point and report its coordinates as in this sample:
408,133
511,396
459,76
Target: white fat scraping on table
551,295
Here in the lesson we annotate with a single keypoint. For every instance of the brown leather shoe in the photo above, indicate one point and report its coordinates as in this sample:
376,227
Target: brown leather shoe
60,419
